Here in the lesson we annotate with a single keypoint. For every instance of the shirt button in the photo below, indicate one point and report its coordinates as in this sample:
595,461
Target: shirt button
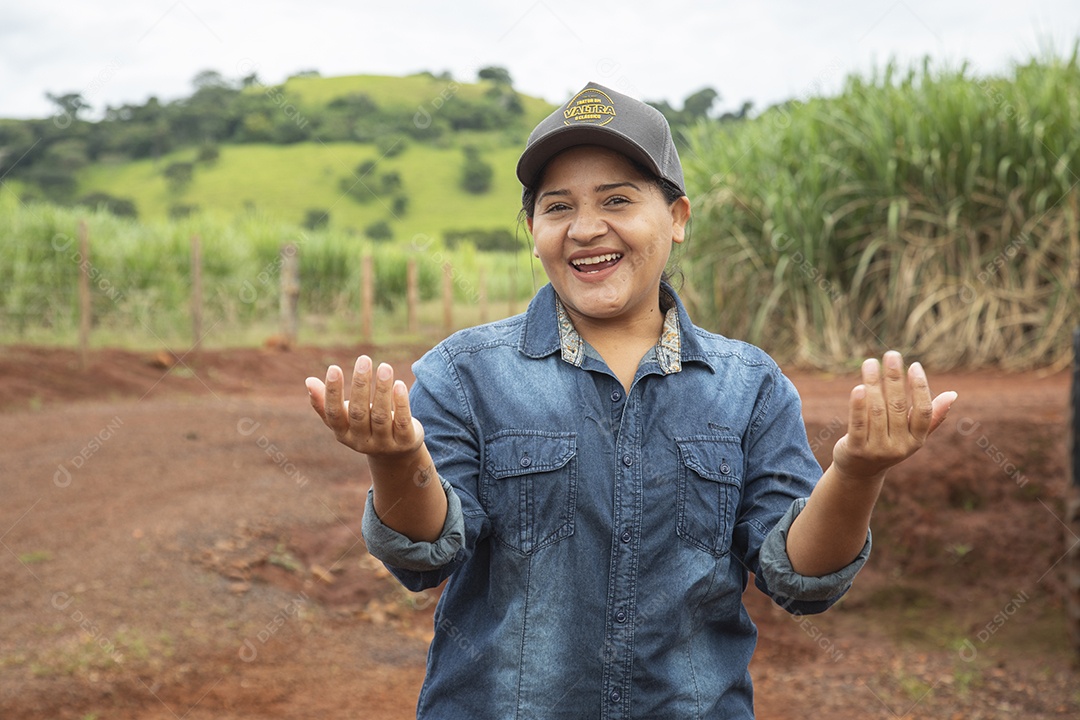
615,695
627,460
626,536
724,468
616,396
526,461
620,617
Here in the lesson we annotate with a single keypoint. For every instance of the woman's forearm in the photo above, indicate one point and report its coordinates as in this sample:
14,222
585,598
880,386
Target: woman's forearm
831,530
408,496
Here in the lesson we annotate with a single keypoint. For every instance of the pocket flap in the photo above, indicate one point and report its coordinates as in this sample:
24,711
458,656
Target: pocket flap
713,459
512,453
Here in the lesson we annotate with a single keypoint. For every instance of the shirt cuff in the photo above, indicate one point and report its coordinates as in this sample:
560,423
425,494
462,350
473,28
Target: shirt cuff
398,551
784,582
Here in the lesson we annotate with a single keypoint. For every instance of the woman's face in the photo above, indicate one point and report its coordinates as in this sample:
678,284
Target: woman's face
604,233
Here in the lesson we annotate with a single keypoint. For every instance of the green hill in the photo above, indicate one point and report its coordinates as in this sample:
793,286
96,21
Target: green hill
283,181
418,130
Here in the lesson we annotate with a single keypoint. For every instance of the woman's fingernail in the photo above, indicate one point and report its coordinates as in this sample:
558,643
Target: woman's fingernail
384,372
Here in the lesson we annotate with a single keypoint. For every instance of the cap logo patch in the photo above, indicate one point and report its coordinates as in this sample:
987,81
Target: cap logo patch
589,107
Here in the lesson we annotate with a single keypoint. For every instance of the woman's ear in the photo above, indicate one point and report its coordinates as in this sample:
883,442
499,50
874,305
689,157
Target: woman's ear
536,253
680,216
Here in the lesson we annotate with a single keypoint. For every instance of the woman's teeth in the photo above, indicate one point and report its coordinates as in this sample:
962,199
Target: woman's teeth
582,263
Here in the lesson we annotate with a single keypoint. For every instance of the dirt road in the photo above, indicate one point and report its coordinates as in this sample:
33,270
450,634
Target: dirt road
185,543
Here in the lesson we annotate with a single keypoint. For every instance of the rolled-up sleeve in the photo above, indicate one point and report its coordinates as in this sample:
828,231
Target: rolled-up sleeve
398,551
801,592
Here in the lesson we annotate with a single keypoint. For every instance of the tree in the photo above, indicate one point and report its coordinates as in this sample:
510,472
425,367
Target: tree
498,75
742,114
209,79
179,175
697,105
121,207
69,105
209,154
316,218
379,231
390,182
476,175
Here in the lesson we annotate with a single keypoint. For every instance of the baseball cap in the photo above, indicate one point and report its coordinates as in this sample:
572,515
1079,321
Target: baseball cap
600,116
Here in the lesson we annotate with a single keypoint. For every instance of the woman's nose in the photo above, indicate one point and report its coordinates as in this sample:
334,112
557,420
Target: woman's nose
586,225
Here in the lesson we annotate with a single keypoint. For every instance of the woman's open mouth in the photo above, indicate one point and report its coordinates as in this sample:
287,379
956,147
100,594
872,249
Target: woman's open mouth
596,264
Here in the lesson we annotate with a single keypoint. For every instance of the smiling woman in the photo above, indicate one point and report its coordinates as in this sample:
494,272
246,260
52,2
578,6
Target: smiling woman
608,474
603,231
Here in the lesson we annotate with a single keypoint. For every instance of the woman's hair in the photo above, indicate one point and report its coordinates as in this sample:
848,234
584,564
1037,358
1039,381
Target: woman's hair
669,190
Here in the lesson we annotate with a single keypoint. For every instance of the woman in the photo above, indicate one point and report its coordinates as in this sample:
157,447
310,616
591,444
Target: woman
608,473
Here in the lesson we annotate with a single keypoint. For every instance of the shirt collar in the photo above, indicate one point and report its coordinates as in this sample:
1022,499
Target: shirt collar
666,352
541,333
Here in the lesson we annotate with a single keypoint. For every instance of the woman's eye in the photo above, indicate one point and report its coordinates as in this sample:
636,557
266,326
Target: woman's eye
556,207
618,200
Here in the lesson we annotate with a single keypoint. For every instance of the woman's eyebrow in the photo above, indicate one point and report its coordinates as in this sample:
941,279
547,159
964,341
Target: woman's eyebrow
561,193
612,186
599,188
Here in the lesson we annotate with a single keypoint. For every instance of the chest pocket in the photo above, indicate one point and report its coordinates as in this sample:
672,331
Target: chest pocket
709,490
530,487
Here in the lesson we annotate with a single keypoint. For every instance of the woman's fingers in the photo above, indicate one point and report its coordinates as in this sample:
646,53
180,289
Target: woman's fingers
334,404
941,406
890,414
857,422
317,395
922,408
403,424
382,405
895,393
377,418
876,421
360,392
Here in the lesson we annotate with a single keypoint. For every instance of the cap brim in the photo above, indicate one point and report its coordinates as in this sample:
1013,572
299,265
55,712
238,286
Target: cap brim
537,155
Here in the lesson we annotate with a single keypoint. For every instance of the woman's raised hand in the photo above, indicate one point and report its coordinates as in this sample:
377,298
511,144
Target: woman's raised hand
890,416
375,419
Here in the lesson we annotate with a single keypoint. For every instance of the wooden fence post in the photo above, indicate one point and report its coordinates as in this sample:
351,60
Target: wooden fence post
367,299
290,293
412,294
196,294
448,298
85,301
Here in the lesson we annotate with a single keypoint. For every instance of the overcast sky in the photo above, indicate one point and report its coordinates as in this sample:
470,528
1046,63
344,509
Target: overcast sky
117,52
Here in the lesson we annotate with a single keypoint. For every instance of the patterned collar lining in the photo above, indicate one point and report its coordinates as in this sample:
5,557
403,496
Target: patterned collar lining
666,352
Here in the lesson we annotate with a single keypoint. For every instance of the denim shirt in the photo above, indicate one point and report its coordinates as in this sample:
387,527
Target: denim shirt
598,542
